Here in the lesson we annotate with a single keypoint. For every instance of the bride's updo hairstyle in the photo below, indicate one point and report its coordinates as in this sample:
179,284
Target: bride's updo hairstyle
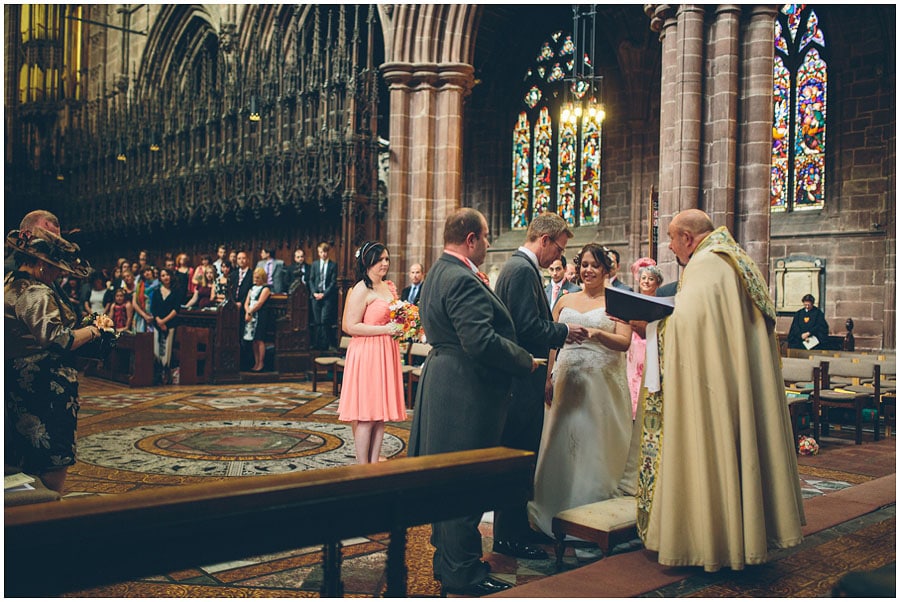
599,252
366,256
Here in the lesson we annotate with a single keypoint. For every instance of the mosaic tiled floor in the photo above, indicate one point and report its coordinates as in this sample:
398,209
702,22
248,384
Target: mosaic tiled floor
165,436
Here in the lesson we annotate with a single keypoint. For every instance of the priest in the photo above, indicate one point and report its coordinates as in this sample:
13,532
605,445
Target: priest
719,485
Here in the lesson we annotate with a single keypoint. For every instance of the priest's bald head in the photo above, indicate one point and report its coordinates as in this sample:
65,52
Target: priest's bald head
686,231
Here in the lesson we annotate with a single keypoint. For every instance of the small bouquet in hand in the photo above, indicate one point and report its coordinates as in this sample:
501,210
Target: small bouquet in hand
405,320
808,446
108,334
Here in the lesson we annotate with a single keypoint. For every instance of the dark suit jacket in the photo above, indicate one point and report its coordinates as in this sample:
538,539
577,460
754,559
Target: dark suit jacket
278,282
521,287
566,286
464,390
241,290
619,284
329,285
297,272
404,296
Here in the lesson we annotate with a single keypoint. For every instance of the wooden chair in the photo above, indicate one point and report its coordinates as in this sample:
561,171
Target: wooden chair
849,396
328,362
417,354
802,381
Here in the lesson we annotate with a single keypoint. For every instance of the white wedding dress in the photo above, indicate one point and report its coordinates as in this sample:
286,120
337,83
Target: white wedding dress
587,433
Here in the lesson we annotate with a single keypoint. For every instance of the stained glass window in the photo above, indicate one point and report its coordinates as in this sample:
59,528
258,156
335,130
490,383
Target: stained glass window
800,101
555,162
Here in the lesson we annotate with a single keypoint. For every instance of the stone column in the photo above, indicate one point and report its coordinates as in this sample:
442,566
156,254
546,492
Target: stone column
721,129
663,21
426,156
751,228
680,117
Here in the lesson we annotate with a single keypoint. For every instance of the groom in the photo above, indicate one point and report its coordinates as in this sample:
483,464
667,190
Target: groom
464,389
521,287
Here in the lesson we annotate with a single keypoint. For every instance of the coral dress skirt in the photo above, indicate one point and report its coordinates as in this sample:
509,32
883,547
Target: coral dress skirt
372,387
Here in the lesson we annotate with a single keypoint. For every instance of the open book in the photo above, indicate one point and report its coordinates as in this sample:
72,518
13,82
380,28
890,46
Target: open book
627,305
811,342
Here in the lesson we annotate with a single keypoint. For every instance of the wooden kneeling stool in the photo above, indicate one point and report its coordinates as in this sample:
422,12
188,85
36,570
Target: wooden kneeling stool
607,523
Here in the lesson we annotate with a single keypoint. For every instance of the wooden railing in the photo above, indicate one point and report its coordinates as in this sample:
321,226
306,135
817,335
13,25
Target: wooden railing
111,539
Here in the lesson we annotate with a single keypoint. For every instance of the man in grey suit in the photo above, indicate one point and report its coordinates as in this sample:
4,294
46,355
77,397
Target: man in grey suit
559,285
520,287
463,393
274,269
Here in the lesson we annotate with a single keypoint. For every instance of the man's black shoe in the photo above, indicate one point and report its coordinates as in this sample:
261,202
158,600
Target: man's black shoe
485,588
519,550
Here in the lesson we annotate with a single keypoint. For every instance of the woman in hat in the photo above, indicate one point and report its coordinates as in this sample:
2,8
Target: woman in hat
41,334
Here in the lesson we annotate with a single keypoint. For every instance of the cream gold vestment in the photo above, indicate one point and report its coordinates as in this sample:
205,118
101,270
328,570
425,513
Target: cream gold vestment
719,484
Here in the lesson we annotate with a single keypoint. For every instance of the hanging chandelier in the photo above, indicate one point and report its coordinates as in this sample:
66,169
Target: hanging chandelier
584,88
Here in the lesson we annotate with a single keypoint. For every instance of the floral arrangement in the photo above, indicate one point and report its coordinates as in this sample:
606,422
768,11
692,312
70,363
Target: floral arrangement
406,325
808,446
100,348
101,321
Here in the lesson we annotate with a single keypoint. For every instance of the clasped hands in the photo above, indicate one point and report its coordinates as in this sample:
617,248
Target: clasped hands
577,334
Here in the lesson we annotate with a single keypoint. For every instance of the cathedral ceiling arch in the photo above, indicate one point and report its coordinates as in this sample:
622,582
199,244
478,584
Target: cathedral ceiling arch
430,33
178,36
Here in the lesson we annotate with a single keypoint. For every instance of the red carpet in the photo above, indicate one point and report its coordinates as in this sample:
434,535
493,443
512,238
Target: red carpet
635,573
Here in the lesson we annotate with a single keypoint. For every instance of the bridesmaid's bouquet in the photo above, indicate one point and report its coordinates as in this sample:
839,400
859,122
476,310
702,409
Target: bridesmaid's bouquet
405,318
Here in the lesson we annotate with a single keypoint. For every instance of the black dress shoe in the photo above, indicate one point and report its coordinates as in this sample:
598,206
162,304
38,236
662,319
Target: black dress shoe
519,550
486,587
485,563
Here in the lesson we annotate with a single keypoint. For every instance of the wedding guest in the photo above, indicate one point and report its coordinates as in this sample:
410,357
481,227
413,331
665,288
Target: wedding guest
41,410
323,290
559,285
298,272
143,317
203,295
257,317
274,269
372,390
649,278
416,276
721,487
182,277
808,322
221,253
96,295
223,282
614,272
572,274
586,439
164,306
120,310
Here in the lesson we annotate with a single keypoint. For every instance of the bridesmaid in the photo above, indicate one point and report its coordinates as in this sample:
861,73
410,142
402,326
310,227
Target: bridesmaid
372,391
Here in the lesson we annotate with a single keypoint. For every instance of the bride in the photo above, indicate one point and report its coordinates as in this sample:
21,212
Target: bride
587,419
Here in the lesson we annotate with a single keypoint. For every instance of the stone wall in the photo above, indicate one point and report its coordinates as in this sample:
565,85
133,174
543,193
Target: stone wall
856,232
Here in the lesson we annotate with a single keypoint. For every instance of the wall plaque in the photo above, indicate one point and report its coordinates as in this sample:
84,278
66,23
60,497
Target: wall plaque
796,276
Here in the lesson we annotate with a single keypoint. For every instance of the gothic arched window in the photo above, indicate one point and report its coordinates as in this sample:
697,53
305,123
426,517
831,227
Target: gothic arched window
555,162
800,99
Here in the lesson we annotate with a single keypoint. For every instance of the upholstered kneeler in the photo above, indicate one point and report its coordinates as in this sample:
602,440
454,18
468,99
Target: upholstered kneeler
607,523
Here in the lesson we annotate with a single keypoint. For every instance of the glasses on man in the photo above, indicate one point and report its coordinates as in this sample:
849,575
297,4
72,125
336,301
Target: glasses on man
562,251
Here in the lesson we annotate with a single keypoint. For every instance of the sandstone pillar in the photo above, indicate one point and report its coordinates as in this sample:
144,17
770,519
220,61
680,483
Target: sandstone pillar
751,226
426,156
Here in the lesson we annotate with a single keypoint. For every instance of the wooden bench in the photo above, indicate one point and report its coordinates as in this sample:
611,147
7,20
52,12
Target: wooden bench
175,528
607,523
130,361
